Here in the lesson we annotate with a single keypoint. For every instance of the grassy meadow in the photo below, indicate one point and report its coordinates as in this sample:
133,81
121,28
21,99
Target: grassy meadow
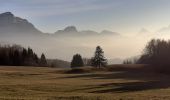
117,82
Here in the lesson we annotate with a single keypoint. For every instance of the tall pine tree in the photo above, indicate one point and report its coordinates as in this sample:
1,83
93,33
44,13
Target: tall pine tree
43,61
99,60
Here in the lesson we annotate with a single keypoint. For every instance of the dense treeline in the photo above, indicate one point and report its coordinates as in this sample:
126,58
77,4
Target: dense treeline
157,53
16,55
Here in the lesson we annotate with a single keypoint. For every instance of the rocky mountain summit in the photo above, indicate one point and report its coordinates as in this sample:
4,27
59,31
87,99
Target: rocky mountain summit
12,24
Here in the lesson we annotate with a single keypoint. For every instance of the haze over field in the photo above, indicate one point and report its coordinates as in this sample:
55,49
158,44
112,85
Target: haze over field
61,28
67,41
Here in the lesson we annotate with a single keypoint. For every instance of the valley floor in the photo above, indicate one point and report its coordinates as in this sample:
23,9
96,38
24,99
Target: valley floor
37,83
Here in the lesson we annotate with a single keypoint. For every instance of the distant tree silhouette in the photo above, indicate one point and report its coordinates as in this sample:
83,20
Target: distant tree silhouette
87,61
127,62
36,59
16,58
132,60
77,61
30,53
24,56
43,61
98,60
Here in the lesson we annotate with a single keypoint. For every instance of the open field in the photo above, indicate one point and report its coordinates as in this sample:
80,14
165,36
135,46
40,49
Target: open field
38,83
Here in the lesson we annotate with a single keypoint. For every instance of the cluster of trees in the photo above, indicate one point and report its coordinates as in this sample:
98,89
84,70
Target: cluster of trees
132,60
157,53
97,61
127,61
16,55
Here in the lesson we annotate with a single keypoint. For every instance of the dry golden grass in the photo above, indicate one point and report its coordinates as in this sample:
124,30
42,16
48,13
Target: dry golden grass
38,83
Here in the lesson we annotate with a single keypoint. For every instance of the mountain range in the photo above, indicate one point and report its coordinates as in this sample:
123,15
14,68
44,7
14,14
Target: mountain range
73,30
10,24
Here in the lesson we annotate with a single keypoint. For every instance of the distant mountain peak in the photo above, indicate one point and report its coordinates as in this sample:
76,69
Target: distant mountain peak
145,32
7,14
9,23
70,29
8,18
109,32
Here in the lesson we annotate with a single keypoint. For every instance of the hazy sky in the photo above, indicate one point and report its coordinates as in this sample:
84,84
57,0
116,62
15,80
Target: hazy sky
123,16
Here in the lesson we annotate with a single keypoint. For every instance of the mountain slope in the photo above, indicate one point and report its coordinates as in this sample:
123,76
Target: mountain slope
10,24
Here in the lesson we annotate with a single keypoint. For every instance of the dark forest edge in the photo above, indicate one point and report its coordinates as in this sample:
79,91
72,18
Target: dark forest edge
156,54
16,55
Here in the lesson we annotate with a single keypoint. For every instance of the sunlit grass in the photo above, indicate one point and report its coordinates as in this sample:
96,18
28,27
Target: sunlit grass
54,84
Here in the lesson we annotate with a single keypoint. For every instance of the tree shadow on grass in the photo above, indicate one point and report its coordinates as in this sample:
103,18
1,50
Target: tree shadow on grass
132,86
129,75
123,87
143,81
